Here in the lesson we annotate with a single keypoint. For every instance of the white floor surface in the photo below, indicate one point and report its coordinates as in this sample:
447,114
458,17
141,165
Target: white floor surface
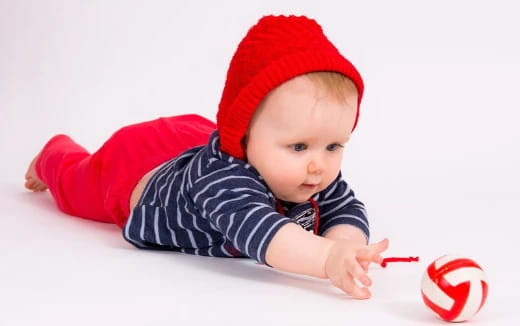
435,158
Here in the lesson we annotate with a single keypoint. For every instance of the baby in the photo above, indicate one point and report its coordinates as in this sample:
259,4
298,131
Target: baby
264,182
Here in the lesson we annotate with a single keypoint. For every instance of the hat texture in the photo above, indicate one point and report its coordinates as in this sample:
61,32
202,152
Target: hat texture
276,49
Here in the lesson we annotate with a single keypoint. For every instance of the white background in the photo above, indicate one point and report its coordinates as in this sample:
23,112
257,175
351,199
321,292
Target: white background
435,157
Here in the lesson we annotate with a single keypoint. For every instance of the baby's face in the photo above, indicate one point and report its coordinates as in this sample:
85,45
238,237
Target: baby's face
296,138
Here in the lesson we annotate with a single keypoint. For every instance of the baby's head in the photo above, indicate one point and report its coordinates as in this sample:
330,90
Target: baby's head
290,103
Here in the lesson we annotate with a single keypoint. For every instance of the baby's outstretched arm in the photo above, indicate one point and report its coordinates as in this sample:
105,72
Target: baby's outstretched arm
346,232
295,250
351,233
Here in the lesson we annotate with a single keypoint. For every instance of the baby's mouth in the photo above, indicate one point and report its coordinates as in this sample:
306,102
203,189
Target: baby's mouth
310,185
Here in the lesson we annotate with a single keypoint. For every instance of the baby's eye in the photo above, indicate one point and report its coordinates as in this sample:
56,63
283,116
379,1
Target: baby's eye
299,147
333,147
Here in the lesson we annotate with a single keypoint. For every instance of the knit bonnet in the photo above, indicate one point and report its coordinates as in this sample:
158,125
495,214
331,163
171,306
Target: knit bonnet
276,49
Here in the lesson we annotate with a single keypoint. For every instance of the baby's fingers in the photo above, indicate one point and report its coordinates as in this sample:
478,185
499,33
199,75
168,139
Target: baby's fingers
359,273
349,286
373,251
364,264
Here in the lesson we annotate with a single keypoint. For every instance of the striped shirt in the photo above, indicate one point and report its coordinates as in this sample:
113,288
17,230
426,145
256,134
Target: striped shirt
205,202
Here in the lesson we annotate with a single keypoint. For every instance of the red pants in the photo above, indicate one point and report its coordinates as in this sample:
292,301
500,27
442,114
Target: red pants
98,186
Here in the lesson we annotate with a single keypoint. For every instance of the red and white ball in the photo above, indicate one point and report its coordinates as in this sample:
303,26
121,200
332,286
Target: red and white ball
454,287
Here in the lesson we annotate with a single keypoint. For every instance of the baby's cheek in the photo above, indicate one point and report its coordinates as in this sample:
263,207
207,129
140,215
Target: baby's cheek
291,178
285,169
280,174
286,165
330,177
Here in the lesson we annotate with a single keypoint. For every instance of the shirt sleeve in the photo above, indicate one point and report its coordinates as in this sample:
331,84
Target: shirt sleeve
240,208
339,205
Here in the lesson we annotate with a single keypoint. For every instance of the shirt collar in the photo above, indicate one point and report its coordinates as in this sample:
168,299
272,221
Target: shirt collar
214,147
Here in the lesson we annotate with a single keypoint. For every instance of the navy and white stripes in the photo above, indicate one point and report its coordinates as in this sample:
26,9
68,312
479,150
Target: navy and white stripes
205,202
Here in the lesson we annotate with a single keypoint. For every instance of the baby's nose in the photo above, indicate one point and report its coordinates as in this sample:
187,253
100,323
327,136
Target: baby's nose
315,166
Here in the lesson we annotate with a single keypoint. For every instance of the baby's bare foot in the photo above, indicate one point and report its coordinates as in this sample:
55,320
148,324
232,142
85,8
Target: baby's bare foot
32,182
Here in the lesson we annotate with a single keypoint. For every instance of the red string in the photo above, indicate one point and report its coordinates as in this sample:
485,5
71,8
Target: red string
279,207
398,259
316,216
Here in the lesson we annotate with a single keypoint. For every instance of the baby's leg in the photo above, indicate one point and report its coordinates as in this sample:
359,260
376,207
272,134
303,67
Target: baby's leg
72,177
32,181
98,186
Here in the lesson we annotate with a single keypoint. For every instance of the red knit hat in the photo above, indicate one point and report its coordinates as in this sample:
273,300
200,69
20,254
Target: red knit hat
276,49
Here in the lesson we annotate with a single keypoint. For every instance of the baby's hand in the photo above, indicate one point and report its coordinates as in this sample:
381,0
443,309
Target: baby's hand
348,261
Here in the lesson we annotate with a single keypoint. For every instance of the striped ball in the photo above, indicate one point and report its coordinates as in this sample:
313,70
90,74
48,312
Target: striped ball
454,287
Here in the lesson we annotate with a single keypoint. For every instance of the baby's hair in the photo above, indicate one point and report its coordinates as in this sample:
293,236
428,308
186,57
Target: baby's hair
339,86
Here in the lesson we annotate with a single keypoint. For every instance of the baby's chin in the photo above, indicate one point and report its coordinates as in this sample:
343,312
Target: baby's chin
295,198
